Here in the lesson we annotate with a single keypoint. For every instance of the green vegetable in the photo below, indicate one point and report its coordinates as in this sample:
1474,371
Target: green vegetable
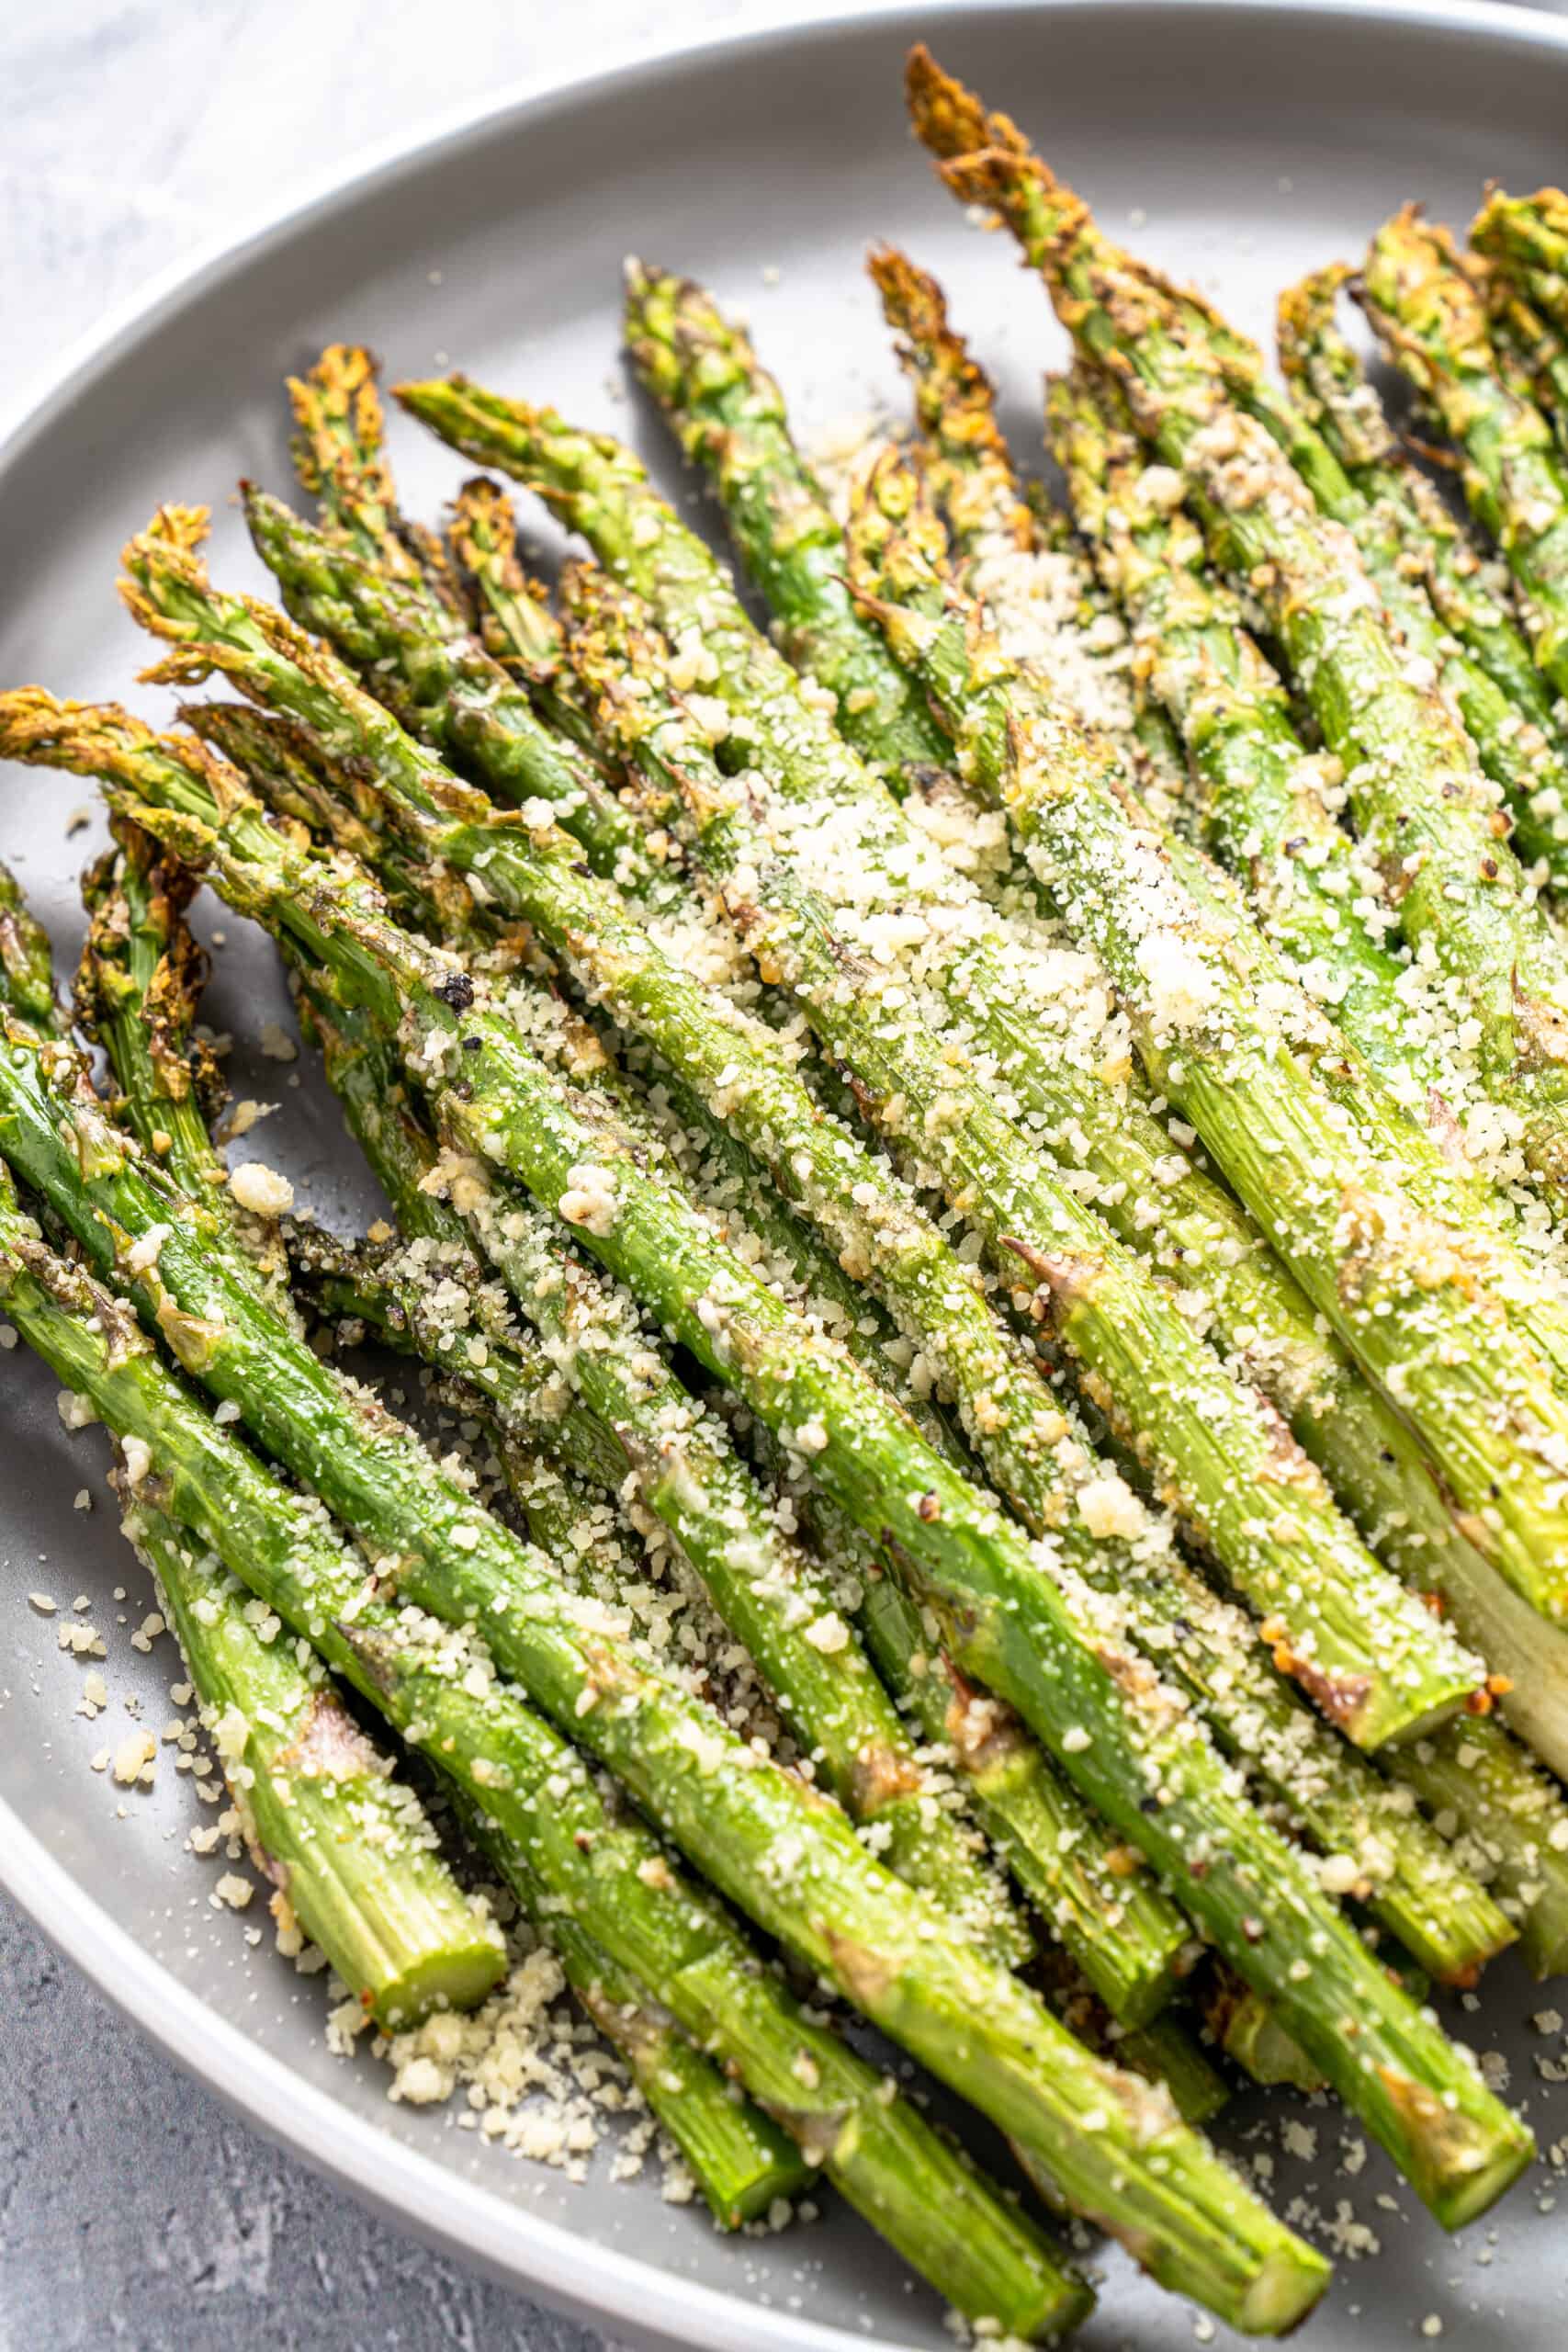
572,1856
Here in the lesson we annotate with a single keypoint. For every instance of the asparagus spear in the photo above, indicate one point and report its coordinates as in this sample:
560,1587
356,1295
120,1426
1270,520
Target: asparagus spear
1044,1644
1419,799
1174,1432
1430,312
969,467
730,415
347,1849
513,619
140,976
742,2162
444,683
1528,236
1244,1064
1532,357
736,1068
338,454
569,1853
344,1844
1121,1930
1264,809
27,968
818,1890
138,982
1509,712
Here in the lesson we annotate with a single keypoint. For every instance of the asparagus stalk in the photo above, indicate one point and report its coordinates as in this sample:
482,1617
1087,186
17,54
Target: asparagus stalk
444,683
1420,800
1179,1436
1199,1235
346,1845
27,967
338,454
1508,710
1044,1644
516,622
969,467
989,991
730,415
820,1891
1429,312
138,983
569,1853
742,2162
1264,809
1528,237
1122,1932
1243,1064
140,976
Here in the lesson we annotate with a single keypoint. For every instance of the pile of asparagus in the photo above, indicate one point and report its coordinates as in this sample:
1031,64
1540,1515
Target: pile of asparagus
1004,1139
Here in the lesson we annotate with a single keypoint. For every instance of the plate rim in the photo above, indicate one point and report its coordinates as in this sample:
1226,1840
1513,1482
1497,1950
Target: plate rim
462,2217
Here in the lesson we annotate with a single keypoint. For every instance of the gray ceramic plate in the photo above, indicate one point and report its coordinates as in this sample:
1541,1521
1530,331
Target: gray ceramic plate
1243,143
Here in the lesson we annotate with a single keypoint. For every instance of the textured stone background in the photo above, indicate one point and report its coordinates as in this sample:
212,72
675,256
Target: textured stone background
133,2210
